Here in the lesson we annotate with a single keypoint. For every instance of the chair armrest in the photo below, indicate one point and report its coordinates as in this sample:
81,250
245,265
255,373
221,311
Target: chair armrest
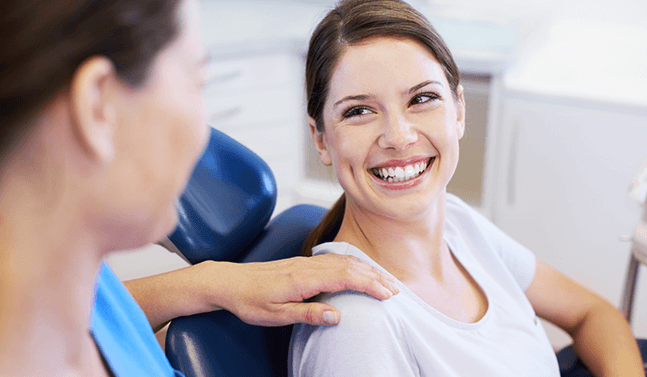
219,344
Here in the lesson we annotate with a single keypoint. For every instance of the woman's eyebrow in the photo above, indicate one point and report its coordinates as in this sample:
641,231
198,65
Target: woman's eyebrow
423,84
359,97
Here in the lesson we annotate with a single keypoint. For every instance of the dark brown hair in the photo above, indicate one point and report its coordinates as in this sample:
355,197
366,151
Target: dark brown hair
42,43
349,23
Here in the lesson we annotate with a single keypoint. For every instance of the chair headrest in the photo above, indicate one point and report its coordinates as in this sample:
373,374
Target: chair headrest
228,201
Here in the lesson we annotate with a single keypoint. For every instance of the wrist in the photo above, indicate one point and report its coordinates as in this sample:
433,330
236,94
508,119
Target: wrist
210,285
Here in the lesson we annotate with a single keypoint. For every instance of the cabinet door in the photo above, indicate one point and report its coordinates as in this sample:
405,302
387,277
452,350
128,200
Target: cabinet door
564,175
258,100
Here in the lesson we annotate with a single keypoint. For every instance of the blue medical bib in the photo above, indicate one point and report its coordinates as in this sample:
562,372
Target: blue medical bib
122,331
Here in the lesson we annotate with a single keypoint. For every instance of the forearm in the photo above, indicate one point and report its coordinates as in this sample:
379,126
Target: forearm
266,294
173,294
606,345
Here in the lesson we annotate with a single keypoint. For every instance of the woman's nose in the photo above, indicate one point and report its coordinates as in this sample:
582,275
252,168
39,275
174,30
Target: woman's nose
398,133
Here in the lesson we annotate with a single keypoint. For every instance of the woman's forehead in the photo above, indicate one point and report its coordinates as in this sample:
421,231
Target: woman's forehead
384,63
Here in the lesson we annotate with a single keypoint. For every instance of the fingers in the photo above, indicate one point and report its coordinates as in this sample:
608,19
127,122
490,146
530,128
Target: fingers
347,272
271,293
315,314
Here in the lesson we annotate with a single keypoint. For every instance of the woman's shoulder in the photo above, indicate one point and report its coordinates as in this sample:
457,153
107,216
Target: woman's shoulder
368,340
358,310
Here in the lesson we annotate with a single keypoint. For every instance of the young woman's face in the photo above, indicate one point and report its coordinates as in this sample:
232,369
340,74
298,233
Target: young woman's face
392,127
162,131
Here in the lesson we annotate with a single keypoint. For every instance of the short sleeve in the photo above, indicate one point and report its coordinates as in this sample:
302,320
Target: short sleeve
368,341
518,259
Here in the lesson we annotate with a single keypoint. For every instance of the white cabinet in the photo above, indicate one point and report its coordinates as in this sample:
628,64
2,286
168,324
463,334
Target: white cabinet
565,167
472,178
257,99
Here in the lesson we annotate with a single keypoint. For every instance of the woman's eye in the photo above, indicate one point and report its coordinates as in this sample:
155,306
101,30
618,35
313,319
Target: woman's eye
356,111
422,98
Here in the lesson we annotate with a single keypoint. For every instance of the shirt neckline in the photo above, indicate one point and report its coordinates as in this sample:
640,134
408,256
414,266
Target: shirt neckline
428,308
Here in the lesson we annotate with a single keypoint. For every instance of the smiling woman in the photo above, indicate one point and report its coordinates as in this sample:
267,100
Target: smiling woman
387,112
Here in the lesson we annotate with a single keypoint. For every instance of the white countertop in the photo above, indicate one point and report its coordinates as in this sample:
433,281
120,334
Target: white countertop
234,28
587,61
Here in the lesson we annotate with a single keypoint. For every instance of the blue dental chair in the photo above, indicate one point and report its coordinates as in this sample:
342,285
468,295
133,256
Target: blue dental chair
224,215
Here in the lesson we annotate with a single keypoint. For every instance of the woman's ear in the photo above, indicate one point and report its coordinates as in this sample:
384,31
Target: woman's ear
319,138
460,112
93,115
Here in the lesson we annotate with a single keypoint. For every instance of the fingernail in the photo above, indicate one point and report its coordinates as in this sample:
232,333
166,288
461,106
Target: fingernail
329,317
387,292
395,289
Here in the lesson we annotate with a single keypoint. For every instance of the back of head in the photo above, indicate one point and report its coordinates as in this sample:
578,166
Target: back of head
350,23
44,42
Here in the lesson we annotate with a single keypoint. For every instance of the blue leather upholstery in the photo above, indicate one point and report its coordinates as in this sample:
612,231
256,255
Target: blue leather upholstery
228,201
284,236
218,343
223,215
570,364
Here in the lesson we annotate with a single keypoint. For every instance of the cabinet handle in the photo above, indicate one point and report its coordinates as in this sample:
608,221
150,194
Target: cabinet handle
512,163
223,78
224,114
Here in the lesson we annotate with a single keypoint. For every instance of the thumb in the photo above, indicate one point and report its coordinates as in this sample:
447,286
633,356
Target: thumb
315,313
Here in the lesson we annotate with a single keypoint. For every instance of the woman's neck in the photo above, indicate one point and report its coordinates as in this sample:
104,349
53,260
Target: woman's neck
406,248
47,271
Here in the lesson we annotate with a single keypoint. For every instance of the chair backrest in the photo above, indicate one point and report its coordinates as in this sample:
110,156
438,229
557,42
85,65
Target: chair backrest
228,201
223,216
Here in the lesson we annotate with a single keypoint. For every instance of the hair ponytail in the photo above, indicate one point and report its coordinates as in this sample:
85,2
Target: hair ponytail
328,228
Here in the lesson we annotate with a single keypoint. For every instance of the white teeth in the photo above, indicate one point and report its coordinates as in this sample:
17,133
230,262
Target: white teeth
400,174
409,172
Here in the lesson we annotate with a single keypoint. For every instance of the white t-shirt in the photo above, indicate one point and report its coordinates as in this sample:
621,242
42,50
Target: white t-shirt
404,336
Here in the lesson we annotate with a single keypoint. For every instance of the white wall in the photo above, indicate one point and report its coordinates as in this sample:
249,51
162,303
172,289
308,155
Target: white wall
622,11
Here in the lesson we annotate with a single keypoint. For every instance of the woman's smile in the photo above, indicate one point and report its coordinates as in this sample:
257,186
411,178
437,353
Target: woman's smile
401,175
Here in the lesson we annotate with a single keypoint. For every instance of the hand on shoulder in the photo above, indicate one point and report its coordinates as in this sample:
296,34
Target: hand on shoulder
272,293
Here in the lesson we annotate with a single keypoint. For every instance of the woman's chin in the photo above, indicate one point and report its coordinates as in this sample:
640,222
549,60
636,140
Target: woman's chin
165,226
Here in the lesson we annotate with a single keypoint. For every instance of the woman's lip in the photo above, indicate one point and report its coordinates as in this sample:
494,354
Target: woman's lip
401,163
405,184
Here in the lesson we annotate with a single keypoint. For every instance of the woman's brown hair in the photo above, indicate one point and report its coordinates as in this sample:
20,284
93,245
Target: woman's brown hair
349,23
42,43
